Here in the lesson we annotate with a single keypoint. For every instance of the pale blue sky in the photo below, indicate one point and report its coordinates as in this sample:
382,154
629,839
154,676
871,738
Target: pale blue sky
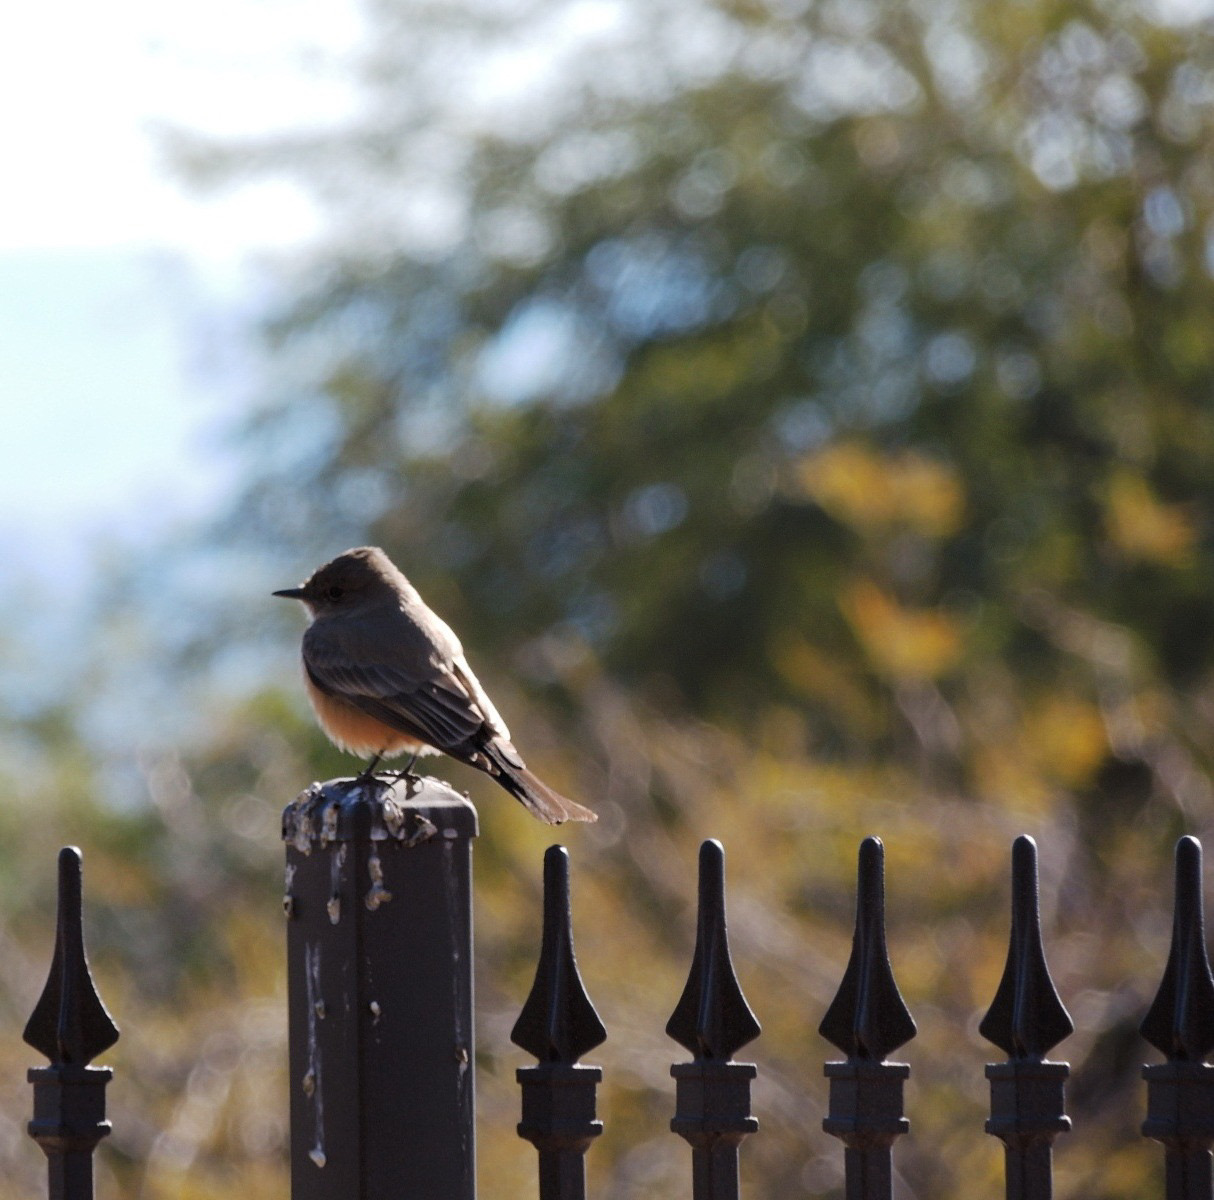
96,398
109,269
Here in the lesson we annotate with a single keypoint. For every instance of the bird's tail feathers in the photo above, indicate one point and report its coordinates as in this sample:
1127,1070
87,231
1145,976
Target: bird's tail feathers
536,796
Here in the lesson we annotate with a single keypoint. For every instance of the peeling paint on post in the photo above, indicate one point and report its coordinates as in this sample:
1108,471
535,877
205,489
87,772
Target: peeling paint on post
379,965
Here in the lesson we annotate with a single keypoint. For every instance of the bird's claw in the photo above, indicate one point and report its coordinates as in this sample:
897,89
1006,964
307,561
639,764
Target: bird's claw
370,775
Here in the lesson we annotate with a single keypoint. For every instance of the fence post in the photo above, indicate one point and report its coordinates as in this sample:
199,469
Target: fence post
379,990
1027,1020
1180,1024
867,1020
712,1020
71,1026
558,1024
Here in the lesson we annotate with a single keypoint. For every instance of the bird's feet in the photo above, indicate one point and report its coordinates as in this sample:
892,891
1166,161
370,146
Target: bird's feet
370,775
405,772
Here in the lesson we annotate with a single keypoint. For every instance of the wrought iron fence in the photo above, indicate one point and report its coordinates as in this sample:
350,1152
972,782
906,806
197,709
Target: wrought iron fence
379,943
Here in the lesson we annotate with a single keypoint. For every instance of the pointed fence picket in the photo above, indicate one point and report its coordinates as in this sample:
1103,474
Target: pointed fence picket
868,1020
1180,1024
558,1025
713,1021
1027,1020
71,1026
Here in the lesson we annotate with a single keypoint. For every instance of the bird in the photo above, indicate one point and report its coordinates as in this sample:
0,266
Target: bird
385,676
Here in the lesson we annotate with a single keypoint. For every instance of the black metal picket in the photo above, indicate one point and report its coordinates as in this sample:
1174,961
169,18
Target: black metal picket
353,1008
713,1021
558,1025
1027,1019
71,1026
868,1020
1180,1023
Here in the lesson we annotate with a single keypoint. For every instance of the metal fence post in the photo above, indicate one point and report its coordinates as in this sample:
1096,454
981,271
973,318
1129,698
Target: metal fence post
1027,1020
379,980
558,1024
71,1026
1180,1023
868,1020
713,1021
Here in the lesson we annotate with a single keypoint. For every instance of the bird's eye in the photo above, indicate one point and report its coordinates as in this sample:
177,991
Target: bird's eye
335,593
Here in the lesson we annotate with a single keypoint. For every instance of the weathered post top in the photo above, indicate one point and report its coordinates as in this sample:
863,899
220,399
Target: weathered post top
378,900
410,810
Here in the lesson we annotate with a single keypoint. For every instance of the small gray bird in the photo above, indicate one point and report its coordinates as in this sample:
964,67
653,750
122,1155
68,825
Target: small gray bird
387,676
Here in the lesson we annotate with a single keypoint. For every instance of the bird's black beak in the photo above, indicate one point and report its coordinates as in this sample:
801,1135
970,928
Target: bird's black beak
296,593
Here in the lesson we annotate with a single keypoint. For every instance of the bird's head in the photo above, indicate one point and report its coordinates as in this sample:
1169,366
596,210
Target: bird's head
356,579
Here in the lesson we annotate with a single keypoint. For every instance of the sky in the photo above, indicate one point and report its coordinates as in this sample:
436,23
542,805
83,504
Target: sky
114,278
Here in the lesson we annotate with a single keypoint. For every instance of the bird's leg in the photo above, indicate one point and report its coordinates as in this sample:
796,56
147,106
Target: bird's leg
403,772
368,772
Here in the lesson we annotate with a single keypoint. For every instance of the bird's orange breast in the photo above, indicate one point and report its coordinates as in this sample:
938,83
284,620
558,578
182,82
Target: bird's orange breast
355,731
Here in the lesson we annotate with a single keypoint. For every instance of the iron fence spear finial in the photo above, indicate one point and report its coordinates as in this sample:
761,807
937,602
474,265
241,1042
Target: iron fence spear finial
1026,1020
712,1020
71,1026
70,1023
1180,1023
558,1024
868,1020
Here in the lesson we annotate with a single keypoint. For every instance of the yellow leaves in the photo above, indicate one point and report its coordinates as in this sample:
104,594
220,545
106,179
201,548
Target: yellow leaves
820,677
1143,527
1066,736
874,492
1008,781
120,880
1056,738
901,643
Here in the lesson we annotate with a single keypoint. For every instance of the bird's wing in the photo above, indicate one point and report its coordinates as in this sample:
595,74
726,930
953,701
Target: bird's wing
424,698
472,685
